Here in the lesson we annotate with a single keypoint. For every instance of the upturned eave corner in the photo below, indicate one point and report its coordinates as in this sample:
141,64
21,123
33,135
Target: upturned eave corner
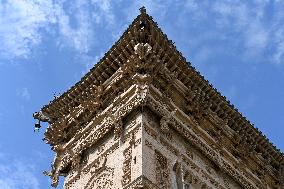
143,69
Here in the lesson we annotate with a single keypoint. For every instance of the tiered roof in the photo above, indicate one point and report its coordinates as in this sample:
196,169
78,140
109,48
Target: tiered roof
118,55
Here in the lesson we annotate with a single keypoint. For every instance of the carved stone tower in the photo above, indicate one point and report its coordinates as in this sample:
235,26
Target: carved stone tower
143,117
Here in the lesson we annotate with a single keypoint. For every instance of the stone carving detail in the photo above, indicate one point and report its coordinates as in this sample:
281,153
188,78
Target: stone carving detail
142,50
169,147
118,129
126,178
179,175
95,167
151,132
162,171
86,139
102,179
164,123
76,162
198,103
99,165
184,177
149,144
142,182
226,182
137,183
210,153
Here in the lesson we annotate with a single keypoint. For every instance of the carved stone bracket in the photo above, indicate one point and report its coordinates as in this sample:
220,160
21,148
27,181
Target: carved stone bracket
166,120
142,50
141,183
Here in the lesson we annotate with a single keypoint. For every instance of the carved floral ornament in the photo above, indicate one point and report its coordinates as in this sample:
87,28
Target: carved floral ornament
142,50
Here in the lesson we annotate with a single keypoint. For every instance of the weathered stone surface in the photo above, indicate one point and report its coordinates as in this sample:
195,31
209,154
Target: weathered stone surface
144,118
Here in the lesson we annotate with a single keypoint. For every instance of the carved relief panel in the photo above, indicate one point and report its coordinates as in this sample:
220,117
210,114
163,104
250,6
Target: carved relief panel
102,180
162,171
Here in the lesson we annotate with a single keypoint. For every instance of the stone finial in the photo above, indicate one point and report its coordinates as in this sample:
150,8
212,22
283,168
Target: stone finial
142,10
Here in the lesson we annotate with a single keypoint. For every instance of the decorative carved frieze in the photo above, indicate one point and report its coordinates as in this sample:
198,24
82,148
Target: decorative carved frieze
102,179
162,171
97,164
142,50
144,70
202,146
126,177
118,128
149,144
141,182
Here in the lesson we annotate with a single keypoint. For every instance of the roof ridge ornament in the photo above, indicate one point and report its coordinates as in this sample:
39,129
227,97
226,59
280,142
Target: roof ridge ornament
142,50
143,10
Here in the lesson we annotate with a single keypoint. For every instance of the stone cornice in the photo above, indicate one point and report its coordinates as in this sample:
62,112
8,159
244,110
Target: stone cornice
152,98
187,126
92,100
98,128
199,142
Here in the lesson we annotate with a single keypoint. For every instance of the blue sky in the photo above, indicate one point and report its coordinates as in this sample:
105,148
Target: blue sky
47,46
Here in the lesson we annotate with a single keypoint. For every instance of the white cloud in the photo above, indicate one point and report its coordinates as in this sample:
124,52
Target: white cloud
258,23
79,37
103,10
278,56
17,175
240,18
20,23
86,15
24,93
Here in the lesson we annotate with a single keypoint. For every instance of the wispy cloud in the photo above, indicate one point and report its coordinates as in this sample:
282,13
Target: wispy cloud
16,174
247,22
103,11
21,21
257,24
254,26
24,93
74,26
